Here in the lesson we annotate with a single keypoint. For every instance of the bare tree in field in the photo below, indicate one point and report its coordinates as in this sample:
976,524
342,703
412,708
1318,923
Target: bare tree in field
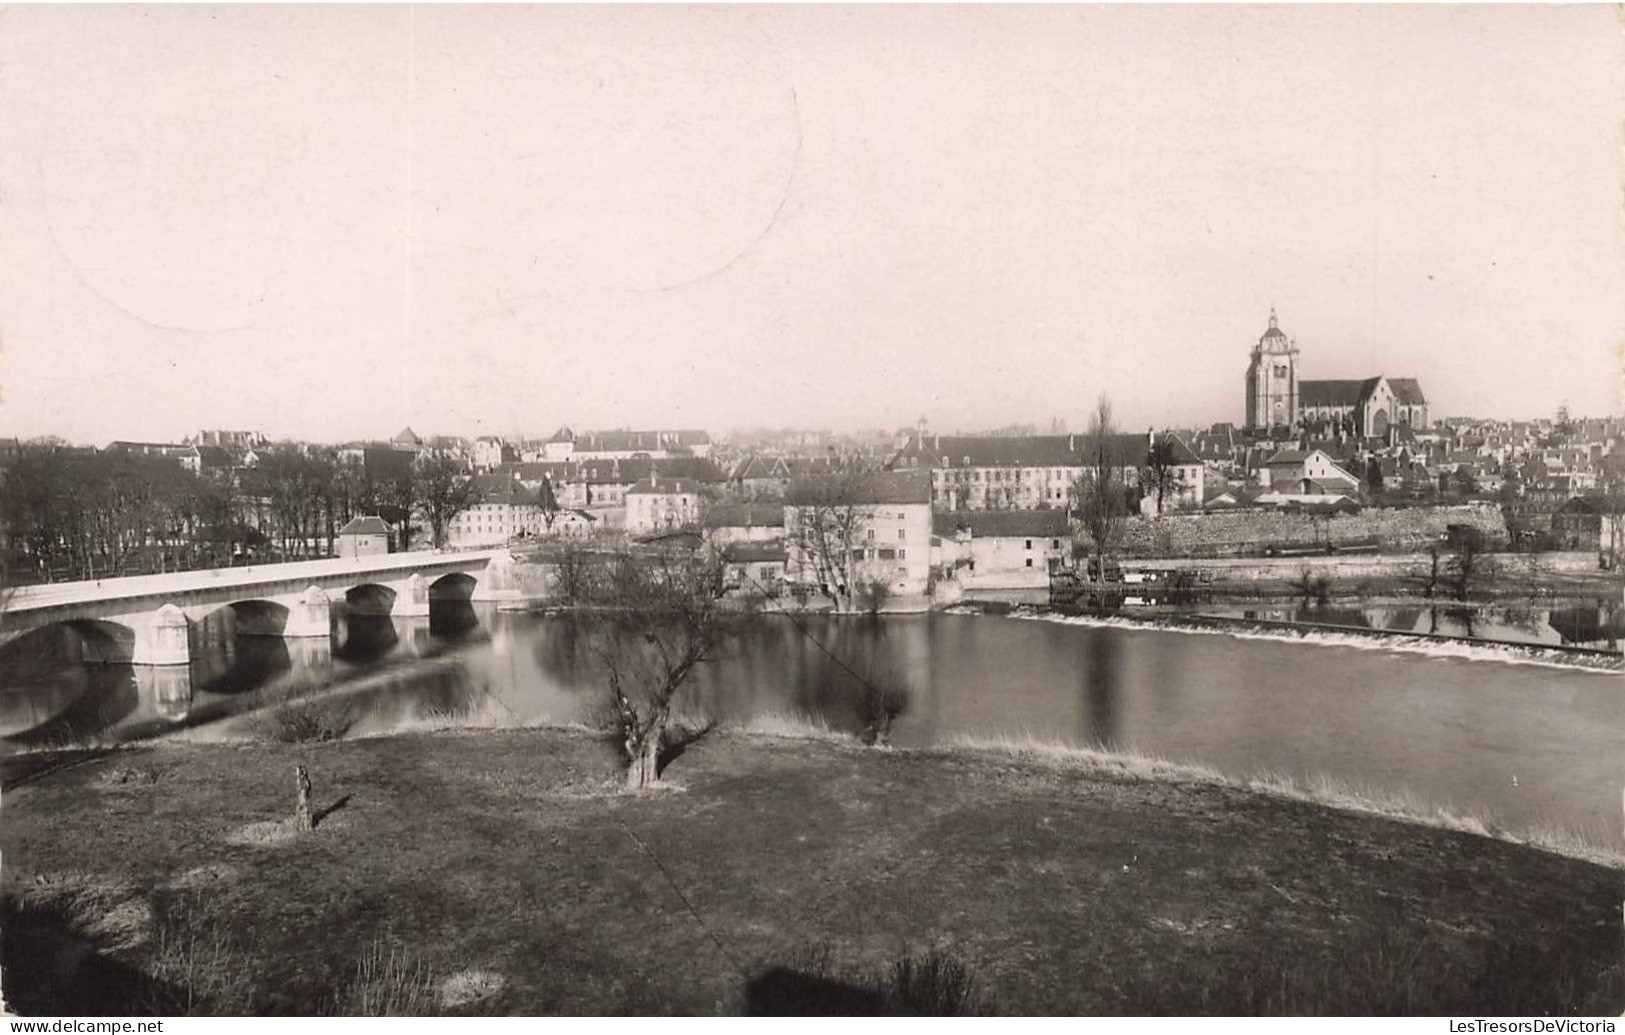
662,617
1102,504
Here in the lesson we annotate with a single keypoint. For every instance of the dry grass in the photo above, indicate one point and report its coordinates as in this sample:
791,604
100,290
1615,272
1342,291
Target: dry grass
106,911
264,833
792,726
128,777
470,987
1402,804
195,968
1062,881
1140,765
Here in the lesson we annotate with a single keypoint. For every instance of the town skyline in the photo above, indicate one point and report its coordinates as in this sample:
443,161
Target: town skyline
328,224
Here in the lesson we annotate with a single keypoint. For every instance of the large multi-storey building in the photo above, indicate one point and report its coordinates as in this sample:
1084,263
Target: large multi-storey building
1037,472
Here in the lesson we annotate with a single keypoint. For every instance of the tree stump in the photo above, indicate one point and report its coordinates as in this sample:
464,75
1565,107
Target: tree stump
302,818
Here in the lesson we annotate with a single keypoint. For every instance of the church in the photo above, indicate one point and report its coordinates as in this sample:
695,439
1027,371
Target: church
1366,408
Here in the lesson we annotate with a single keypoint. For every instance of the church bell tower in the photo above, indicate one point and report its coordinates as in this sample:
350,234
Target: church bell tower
1272,380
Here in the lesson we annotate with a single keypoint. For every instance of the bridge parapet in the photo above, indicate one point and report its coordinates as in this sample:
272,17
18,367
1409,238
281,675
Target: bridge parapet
213,581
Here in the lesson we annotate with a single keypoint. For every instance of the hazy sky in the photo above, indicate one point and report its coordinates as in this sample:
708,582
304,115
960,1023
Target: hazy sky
330,222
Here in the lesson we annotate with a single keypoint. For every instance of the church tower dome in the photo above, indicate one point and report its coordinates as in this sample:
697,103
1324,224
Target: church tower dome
1272,379
1274,331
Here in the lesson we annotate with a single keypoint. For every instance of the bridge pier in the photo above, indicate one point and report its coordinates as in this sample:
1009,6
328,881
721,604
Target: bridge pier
411,597
498,581
162,638
311,616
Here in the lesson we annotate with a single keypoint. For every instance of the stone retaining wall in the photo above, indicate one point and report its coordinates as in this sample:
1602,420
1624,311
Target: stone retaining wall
1252,531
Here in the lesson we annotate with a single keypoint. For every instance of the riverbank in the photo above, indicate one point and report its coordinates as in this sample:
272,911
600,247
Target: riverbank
505,872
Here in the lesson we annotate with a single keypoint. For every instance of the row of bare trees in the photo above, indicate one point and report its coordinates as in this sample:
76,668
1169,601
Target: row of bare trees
75,514
88,515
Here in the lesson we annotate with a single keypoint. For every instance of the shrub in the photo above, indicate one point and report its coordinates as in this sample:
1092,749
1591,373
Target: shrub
308,720
386,984
811,983
932,984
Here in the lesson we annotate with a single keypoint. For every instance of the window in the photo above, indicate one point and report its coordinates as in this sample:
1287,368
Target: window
871,533
1029,562
902,534
1054,544
902,555
1029,546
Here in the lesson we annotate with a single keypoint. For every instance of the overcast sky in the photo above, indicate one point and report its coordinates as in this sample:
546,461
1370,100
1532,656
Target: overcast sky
326,223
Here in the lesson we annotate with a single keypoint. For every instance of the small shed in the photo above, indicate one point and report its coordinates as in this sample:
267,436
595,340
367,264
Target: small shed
364,537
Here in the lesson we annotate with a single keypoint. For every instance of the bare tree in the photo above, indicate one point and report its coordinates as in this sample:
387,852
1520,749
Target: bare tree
881,700
548,502
825,528
442,490
1430,578
575,575
1100,493
1469,561
1161,468
663,616
1612,483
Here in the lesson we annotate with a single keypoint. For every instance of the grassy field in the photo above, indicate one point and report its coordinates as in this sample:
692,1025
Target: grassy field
504,872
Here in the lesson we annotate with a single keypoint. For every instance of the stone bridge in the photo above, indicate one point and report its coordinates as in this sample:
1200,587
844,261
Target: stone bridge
148,619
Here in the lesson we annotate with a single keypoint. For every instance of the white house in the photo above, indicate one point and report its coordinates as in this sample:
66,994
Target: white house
662,504
1008,549
1313,473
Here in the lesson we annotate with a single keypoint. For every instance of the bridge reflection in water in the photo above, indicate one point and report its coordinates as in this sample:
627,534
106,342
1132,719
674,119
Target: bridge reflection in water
56,692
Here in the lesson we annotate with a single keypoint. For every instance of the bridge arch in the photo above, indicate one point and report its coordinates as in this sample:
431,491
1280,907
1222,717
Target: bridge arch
370,598
91,640
456,586
252,617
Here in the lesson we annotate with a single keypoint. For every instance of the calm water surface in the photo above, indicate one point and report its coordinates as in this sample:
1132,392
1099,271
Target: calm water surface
1523,744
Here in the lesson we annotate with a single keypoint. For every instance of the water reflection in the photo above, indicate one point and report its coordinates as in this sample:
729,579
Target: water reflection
240,664
453,620
1102,676
168,688
71,706
363,638
1450,730
58,686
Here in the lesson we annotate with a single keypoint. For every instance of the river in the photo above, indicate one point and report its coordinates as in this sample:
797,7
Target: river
1520,742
